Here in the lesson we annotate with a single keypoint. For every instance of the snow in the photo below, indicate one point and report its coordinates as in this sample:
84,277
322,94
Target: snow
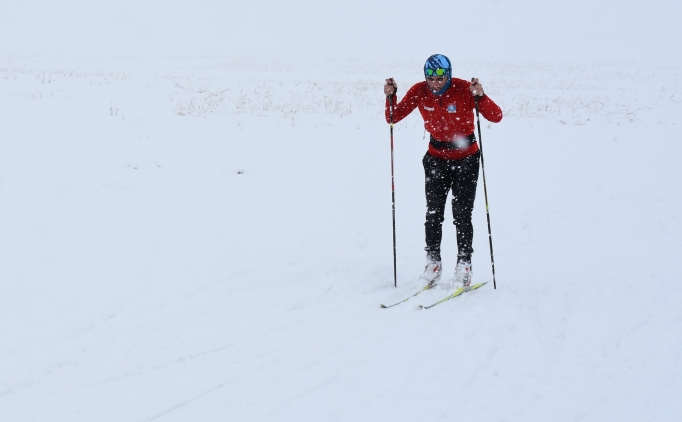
187,239
190,233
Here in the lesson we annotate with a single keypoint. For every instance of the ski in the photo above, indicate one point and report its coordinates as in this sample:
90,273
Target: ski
457,292
425,288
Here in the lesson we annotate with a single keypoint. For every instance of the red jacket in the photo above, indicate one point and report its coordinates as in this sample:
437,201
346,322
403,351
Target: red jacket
447,116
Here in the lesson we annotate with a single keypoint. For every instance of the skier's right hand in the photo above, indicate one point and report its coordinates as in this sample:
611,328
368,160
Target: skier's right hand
390,87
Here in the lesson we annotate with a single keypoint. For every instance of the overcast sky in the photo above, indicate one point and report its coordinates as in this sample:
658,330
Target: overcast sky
482,29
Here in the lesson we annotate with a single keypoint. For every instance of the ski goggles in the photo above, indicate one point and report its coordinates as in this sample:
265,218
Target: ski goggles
436,72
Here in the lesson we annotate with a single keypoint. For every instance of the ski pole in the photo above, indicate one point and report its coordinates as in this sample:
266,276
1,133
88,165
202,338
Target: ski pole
395,267
485,191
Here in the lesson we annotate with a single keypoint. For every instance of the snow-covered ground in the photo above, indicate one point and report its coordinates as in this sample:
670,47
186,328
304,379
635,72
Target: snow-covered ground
209,240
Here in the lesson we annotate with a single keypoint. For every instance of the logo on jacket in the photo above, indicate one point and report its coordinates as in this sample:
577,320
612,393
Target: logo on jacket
428,108
452,108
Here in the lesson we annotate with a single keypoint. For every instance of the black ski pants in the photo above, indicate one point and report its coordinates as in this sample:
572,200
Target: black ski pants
441,176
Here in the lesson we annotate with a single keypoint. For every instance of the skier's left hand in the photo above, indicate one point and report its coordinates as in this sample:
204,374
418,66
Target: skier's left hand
476,88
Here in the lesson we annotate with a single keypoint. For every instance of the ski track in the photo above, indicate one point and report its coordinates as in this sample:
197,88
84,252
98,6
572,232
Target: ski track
159,263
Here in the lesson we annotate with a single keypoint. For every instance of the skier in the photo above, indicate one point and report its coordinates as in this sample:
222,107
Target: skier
451,163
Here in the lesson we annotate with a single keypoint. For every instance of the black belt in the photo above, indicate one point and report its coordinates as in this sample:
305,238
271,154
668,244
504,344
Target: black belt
461,143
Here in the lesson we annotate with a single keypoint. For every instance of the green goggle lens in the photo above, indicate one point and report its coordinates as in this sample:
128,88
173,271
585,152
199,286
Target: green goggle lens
438,72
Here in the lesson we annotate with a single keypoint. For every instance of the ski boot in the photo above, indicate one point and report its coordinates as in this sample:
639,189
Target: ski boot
432,272
463,273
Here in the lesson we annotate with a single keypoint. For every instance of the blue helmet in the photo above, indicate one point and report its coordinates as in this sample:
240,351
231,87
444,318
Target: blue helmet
439,65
